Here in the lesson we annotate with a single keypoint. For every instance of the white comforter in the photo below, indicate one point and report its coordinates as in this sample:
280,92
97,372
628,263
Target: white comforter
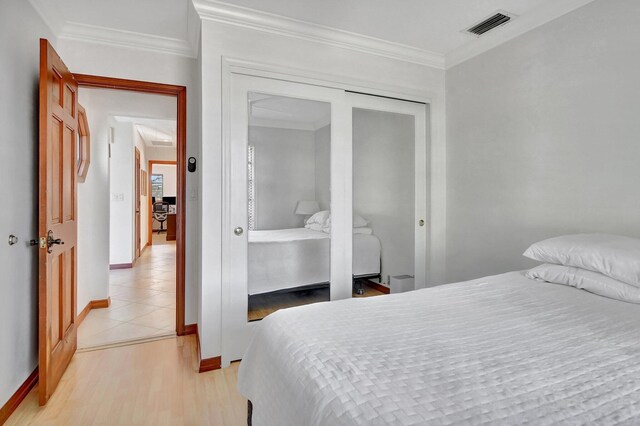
503,349
286,258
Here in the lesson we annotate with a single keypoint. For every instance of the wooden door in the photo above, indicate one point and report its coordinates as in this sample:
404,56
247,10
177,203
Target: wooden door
137,205
57,219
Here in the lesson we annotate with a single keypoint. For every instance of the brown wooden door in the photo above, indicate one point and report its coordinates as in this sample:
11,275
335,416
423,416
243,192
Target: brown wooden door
138,172
57,220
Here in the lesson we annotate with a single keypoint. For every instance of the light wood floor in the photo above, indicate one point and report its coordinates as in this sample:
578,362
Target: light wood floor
152,383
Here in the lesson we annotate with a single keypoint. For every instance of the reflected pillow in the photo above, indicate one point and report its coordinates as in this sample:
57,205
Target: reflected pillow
319,218
363,230
590,281
358,222
612,255
314,226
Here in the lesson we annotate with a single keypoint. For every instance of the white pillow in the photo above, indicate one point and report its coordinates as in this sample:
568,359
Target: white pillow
363,230
359,221
612,255
592,282
320,218
314,226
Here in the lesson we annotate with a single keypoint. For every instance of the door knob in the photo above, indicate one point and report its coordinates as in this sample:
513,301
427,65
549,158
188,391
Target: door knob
238,231
52,241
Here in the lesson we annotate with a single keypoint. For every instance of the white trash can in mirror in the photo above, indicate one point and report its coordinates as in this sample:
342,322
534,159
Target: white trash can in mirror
401,283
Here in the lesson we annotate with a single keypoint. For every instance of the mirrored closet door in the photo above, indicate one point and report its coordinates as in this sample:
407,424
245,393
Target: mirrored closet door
286,202
389,143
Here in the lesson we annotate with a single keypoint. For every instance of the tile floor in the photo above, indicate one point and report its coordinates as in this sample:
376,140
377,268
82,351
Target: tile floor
143,300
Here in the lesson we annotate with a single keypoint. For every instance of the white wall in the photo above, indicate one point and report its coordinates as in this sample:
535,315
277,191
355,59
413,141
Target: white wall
346,66
543,139
322,145
20,30
169,180
384,184
121,188
165,154
93,208
284,174
136,64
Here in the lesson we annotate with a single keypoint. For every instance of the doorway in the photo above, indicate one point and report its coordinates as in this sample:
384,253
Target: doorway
146,284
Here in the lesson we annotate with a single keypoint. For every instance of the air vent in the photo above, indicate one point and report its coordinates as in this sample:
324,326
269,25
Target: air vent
161,143
489,24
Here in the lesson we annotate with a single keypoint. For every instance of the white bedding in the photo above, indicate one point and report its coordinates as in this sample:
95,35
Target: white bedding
500,350
287,258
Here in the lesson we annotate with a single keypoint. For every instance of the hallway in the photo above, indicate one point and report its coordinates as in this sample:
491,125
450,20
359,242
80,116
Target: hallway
143,301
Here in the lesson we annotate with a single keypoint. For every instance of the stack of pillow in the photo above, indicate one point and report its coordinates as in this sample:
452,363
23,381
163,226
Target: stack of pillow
321,221
608,265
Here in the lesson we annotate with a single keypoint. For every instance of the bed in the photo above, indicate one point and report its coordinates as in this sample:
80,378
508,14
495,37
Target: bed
290,258
503,349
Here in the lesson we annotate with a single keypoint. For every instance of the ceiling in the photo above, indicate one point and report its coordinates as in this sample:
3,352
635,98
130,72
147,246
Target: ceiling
432,27
285,112
153,115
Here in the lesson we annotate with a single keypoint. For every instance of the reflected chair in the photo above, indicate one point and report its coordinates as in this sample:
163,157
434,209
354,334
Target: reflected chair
161,213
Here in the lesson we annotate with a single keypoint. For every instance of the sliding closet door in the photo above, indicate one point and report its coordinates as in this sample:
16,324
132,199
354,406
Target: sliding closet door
287,202
389,193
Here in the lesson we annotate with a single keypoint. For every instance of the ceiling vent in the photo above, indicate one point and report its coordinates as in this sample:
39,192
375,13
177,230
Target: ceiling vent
490,23
161,143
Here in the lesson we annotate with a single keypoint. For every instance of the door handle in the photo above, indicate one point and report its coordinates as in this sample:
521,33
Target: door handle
238,231
52,241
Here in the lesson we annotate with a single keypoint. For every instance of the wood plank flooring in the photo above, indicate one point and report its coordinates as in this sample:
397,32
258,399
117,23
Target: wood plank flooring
152,383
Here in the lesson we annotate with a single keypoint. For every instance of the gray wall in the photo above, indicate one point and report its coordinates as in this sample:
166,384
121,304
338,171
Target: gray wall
20,29
544,139
284,173
323,166
384,183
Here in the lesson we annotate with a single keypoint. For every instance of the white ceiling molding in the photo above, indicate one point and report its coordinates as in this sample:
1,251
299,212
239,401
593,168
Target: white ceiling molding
275,24
110,36
513,29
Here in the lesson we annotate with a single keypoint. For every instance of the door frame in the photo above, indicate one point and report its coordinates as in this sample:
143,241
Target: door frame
137,244
180,93
150,164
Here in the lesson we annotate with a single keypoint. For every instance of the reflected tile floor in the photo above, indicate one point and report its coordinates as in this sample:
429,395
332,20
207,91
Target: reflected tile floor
143,300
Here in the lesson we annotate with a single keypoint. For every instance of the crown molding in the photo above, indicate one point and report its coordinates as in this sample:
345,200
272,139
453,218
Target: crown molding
225,13
515,28
122,38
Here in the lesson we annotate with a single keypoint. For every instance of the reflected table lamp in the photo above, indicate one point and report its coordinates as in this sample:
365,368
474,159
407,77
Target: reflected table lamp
307,208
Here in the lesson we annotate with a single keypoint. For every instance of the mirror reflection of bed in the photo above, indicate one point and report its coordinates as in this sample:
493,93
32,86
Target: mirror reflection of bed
289,217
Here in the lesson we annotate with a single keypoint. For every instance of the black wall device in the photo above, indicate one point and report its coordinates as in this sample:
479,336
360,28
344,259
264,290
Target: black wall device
191,164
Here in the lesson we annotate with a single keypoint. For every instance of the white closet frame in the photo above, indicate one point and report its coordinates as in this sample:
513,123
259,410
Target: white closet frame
234,339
